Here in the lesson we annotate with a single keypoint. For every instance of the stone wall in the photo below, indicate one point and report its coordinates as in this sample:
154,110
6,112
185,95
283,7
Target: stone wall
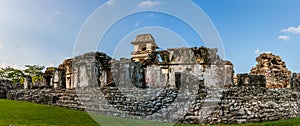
274,69
150,103
252,104
5,85
186,88
62,98
295,82
249,101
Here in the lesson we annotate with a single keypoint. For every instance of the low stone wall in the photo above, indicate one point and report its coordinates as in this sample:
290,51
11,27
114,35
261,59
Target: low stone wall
63,98
295,82
150,103
248,101
6,85
242,104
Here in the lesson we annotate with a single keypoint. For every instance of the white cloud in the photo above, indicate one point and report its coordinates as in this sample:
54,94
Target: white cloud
50,65
148,3
137,24
110,2
256,51
292,29
266,52
3,65
151,15
283,37
55,13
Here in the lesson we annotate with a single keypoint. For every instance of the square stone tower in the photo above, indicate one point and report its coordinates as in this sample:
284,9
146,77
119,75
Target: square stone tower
144,44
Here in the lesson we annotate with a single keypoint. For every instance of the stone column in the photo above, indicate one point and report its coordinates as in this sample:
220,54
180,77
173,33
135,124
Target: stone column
56,80
27,82
68,82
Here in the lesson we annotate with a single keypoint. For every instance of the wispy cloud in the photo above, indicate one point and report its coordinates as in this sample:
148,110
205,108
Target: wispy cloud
256,51
292,29
110,2
3,65
148,3
284,37
55,13
151,15
137,24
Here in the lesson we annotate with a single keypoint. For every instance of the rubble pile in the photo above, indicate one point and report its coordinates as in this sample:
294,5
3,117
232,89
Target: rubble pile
274,69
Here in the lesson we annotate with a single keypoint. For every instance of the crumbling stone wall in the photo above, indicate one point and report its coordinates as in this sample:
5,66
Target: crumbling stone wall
5,85
151,104
249,101
202,89
253,102
184,60
62,98
295,82
275,70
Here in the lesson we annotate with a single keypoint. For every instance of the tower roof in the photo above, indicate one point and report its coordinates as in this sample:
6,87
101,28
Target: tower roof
144,38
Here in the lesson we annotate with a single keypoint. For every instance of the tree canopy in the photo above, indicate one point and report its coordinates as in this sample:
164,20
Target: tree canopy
17,76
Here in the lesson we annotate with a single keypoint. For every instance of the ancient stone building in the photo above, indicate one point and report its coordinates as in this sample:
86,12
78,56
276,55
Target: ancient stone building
189,85
144,45
146,68
27,82
274,69
54,77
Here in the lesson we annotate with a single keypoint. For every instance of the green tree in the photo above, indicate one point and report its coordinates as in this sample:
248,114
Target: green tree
2,74
35,71
13,74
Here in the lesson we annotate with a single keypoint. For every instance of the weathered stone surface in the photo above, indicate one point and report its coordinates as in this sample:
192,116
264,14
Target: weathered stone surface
189,85
295,81
63,98
274,69
5,85
246,103
144,47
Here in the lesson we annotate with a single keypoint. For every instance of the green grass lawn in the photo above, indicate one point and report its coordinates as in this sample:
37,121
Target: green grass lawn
28,114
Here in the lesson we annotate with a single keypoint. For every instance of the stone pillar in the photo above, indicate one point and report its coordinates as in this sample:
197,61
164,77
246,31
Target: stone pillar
51,81
136,48
27,82
103,77
68,82
56,80
85,71
148,46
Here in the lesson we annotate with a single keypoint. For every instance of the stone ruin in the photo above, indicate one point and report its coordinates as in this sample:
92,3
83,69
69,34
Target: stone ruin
96,82
144,45
274,69
5,85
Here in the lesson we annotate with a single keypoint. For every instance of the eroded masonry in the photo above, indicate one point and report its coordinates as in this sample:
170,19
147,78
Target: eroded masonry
190,85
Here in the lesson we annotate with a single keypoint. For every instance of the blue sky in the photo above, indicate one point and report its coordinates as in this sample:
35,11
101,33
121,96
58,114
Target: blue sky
45,31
